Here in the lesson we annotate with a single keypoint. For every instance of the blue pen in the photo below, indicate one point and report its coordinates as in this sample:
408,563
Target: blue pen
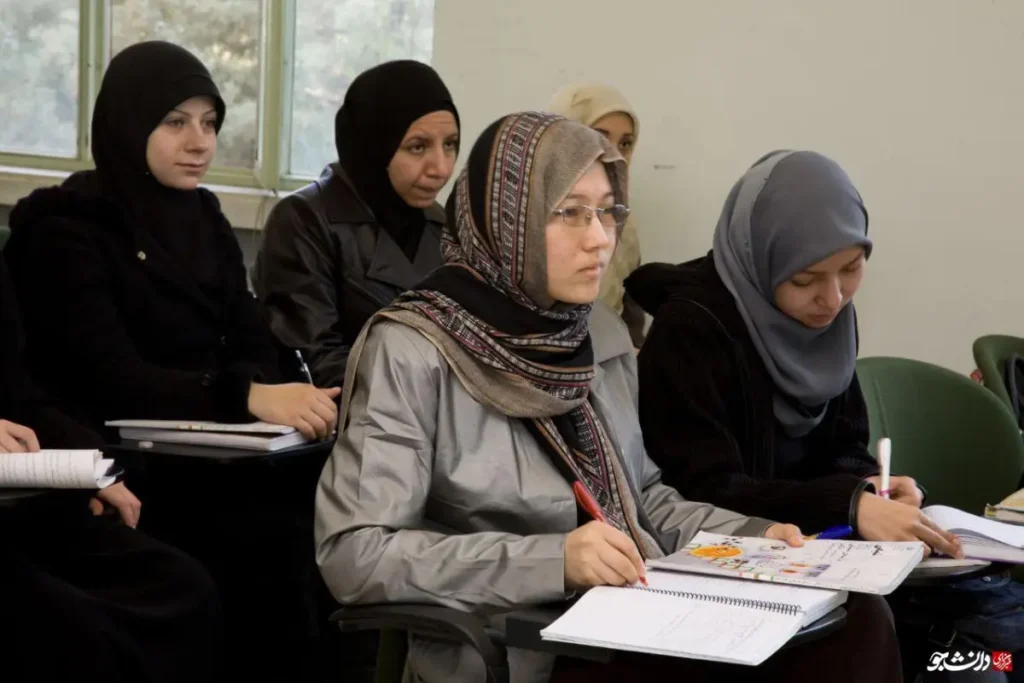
833,533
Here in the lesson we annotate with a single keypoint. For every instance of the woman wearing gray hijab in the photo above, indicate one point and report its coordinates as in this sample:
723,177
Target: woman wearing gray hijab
748,389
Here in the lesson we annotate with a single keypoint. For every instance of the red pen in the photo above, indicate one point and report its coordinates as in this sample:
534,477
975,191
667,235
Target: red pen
587,502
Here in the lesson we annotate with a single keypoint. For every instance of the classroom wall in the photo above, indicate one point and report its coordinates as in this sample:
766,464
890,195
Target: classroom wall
921,101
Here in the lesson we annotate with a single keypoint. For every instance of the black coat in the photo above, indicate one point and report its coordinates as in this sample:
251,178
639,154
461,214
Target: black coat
117,327
707,416
326,266
21,401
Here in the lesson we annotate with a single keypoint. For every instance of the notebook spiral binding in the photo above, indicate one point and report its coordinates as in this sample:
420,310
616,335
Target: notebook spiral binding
763,605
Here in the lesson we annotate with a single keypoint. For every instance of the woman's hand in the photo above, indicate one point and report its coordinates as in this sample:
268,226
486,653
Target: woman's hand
598,554
121,499
901,489
15,438
310,410
789,533
879,519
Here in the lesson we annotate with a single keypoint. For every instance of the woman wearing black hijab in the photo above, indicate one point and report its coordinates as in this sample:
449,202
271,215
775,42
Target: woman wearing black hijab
86,596
134,297
369,228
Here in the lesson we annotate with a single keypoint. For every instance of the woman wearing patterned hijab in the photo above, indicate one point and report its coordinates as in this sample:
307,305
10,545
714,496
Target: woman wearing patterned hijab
475,404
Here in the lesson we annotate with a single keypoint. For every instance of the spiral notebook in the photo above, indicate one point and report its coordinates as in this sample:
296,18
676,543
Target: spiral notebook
696,617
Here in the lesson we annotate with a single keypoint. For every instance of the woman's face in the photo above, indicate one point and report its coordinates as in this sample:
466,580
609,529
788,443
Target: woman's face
181,147
817,294
579,254
426,158
618,128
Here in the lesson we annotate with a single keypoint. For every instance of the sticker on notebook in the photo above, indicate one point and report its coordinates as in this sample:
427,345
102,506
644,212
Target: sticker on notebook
716,552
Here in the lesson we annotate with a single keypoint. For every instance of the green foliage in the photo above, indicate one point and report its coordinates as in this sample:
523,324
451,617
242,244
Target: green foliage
334,41
39,76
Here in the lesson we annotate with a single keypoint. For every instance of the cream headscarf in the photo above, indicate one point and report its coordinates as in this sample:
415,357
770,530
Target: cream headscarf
587,104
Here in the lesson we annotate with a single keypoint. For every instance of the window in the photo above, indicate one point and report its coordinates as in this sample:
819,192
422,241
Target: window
39,52
225,36
334,43
282,67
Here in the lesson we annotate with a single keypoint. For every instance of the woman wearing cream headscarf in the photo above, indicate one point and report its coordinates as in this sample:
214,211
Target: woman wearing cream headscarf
604,109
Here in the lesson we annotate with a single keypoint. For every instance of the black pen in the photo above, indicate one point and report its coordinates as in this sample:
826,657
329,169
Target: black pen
303,367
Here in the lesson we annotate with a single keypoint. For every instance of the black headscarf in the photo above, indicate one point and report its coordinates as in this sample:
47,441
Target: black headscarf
142,84
380,105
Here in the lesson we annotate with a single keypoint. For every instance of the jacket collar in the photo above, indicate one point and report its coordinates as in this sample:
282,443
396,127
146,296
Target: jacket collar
342,203
609,337
390,265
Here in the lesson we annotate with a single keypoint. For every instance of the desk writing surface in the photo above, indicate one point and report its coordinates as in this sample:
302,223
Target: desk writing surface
143,448
11,496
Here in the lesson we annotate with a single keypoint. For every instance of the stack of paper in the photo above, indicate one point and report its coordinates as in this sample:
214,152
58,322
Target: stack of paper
51,469
256,436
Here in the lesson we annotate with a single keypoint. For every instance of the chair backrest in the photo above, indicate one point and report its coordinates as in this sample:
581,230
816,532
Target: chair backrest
952,435
991,354
5,232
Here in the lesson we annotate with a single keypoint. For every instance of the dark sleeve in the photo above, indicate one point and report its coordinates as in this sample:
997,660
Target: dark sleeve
841,445
688,373
635,320
73,305
295,279
21,401
253,346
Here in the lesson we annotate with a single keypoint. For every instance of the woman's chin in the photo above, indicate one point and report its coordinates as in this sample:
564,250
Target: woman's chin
577,296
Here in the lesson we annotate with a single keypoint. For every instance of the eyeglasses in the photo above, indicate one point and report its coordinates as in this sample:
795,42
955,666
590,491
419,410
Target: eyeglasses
581,216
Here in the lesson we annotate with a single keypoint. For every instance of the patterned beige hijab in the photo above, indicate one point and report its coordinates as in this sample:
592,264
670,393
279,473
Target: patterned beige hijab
489,313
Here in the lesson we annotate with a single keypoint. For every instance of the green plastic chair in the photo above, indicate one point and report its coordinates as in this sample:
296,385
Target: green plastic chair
950,434
991,354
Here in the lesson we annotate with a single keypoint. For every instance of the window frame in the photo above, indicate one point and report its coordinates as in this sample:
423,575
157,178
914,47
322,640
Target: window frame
253,187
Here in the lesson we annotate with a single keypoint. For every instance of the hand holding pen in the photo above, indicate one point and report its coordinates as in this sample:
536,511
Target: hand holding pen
598,554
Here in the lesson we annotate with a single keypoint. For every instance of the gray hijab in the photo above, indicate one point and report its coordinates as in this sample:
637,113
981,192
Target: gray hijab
790,211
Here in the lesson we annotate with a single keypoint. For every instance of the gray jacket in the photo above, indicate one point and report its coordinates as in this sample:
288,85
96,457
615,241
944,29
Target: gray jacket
432,497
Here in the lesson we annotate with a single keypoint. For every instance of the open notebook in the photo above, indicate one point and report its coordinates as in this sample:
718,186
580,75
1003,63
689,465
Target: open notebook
256,436
855,566
50,469
983,539
698,617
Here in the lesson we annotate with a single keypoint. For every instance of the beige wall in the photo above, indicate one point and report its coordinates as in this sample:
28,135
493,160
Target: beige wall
921,100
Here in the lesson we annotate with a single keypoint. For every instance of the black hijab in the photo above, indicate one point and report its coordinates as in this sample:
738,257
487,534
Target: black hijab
142,84
380,105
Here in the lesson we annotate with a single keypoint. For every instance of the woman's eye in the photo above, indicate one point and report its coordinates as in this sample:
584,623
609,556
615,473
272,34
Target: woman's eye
453,145
572,212
626,144
175,123
800,283
417,148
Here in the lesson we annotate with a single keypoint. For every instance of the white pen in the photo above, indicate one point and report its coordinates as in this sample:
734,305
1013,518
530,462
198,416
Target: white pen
303,367
884,461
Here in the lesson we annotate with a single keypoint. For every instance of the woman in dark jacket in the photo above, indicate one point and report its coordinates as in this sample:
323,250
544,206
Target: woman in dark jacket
344,246
86,596
134,297
748,391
